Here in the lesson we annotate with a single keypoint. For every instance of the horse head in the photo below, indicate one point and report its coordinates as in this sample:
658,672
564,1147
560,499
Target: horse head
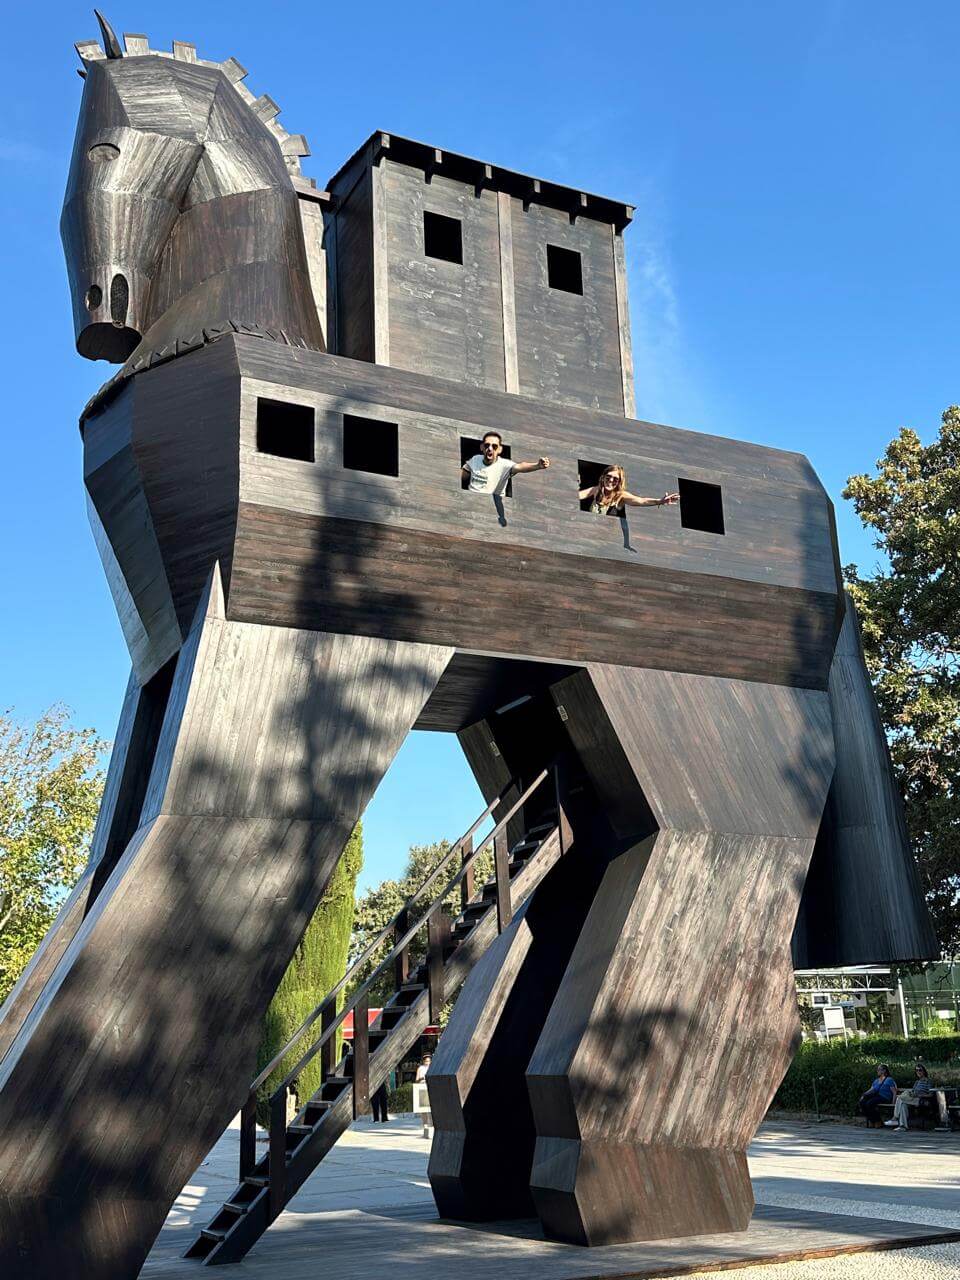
180,210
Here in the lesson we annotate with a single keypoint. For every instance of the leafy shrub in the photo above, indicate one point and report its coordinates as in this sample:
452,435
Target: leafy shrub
842,1072
319,962
400,1101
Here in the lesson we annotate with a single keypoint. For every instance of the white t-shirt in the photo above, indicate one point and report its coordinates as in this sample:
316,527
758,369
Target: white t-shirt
489,479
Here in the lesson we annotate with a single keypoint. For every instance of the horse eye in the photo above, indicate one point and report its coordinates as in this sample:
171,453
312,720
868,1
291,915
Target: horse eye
103,152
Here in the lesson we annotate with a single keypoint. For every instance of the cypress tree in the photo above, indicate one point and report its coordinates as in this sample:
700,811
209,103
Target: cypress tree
319,963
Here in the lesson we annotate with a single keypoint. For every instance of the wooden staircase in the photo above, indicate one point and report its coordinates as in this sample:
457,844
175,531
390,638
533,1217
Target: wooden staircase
295,1149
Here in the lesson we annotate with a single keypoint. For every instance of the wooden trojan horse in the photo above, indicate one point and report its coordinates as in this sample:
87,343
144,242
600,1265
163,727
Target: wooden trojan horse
273,481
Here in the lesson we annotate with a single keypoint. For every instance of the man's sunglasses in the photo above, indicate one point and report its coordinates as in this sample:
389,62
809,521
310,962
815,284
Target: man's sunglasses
494,447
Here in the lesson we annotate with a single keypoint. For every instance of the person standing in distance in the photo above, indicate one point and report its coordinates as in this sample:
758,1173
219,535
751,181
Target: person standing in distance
489,472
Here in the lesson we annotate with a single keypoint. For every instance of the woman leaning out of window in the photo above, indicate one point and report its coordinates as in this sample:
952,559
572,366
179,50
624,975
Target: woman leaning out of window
610,497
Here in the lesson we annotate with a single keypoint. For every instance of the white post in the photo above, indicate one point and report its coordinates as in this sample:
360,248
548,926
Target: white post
903,1006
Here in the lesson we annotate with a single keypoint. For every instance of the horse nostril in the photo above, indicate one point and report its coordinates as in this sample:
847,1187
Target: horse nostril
119,300
94,297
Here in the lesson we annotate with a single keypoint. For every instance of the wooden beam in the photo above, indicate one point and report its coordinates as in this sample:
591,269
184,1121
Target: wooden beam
361,1057
511,366
623,327
501,859
437,934
467,884
381,268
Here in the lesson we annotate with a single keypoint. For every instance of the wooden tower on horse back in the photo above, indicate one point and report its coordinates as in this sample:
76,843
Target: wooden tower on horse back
274,484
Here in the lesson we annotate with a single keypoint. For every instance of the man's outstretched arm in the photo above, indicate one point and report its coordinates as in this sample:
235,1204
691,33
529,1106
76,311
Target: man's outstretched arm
521,468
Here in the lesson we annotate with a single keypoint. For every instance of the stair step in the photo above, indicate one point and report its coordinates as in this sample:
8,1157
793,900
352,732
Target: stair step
541,828
409,992
213,1233
300,1129
231,1206
257,1180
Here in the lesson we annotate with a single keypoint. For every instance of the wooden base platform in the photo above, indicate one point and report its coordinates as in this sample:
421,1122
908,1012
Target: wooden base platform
410,1240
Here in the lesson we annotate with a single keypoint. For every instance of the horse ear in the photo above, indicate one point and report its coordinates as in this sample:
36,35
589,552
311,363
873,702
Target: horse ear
110,42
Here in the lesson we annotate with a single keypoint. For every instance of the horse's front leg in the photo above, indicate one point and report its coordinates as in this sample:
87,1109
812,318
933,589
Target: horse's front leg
143,1041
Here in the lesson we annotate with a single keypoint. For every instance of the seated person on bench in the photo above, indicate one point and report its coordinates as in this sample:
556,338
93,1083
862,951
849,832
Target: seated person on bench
883,1089
911,1097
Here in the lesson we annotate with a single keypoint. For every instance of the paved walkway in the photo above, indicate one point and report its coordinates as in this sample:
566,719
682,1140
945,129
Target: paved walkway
373,1188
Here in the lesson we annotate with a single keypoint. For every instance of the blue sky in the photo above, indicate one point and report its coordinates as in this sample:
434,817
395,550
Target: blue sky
793,259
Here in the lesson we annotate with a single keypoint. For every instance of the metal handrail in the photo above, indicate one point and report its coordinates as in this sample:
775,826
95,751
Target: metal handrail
399,946
378,941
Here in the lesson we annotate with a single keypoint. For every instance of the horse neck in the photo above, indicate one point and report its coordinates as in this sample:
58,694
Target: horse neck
240,258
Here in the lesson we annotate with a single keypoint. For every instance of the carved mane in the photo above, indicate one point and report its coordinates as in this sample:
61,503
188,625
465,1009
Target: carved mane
293,145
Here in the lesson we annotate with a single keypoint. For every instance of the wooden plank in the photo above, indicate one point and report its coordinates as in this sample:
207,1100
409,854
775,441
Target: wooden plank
623,326
508,289
445,318
846,916
381,266
361,1057
501,863
401,964
312,222
515,1249
437,934
568,345
348,576
131,760
468,883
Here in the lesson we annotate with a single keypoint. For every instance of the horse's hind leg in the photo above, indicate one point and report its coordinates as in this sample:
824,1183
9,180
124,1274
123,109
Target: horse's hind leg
143,1041
677,1018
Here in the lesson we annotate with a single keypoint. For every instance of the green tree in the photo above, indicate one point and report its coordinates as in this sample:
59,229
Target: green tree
377,907
910,614
319,963
50,789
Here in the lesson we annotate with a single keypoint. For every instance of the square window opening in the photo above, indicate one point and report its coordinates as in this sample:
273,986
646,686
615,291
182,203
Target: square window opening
470,445
564,269
589,474
285,430
442,237
701,506
371,445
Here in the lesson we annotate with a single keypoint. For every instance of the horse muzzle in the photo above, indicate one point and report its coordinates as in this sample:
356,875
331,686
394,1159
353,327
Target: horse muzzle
107,316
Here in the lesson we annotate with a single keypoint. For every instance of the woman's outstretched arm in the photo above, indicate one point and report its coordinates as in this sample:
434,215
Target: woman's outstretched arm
631,499
589,493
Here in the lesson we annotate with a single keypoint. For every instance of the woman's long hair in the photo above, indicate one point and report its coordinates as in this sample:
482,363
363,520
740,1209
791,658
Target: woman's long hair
923,1069
603,498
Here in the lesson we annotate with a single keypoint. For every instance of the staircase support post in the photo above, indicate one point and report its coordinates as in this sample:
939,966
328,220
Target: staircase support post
437,929
278,1153
248,1136
468,883
401,964
361,1057
501,862
561,785
328,1054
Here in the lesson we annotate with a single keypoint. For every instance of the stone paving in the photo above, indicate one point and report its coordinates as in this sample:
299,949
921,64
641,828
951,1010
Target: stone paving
828,1168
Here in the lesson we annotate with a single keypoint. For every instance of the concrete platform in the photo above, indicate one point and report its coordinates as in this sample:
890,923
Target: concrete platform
823,1192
